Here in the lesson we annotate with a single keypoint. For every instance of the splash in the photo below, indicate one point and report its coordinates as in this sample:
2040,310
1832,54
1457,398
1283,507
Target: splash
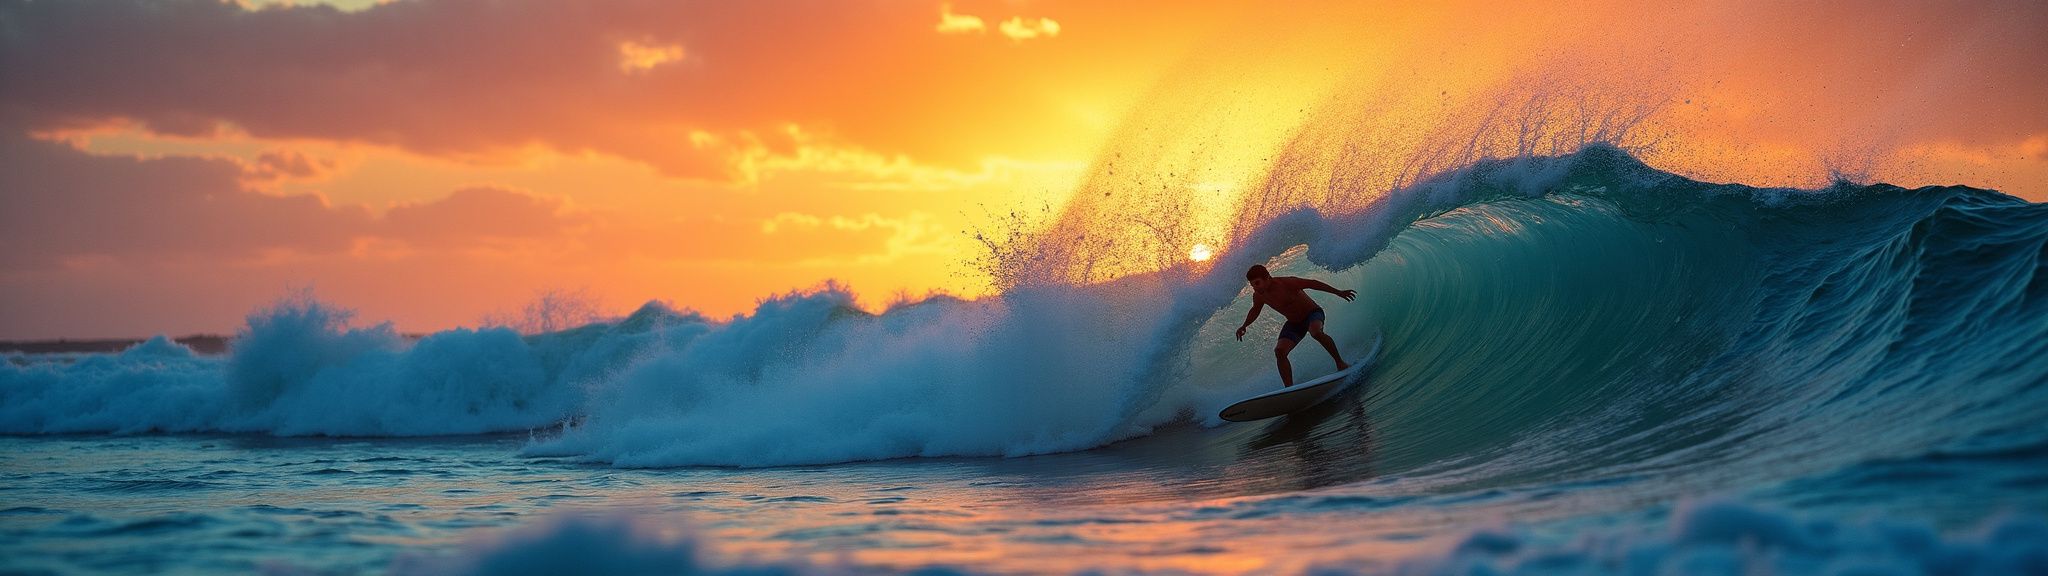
1166,183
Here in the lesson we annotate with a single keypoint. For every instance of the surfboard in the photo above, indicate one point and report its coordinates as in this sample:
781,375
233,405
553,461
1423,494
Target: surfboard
1301,395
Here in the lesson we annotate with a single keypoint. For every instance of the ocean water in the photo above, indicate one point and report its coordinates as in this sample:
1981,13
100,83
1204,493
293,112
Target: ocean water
1590,366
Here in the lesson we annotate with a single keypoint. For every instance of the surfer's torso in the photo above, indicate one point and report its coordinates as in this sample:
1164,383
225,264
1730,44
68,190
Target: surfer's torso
1285,295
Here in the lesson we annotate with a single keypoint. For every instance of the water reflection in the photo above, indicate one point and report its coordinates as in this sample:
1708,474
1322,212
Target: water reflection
1326,445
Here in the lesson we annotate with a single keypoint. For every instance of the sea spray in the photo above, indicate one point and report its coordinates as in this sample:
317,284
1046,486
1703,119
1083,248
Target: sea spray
811,378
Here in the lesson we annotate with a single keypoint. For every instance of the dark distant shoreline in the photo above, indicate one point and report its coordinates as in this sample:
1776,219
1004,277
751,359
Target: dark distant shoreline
202,344
209,344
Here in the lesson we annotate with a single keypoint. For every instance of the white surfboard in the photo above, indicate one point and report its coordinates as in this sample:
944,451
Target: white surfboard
1302,395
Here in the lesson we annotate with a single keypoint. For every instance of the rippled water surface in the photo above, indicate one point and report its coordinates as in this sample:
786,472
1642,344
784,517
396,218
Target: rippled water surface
196,504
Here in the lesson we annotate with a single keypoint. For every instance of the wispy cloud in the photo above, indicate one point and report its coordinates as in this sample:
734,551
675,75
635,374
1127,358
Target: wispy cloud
950,23
1019,29
637,57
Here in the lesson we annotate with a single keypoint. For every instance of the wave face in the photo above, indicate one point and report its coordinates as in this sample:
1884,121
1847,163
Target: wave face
1572,317
1628,323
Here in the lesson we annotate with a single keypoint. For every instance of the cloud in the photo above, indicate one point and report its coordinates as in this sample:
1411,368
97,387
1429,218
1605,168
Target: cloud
784,214
472,78
479,214
794,220
790,219
275,165
886,238
635,57
62,206
265,163
950,23
1019,29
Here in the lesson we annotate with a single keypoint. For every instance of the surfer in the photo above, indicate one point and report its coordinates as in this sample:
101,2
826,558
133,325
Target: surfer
1287,295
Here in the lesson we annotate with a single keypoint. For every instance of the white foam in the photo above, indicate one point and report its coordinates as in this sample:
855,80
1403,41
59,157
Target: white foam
808,378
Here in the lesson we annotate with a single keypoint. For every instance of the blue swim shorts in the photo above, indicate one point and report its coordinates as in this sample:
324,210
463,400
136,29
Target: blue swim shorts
1294,330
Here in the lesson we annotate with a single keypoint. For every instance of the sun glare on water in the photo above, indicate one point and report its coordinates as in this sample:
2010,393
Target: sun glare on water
1200,253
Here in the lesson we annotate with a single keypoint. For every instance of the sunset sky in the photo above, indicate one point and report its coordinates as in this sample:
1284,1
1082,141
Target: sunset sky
167,166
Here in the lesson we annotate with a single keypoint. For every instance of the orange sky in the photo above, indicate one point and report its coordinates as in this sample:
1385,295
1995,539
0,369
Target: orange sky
170,165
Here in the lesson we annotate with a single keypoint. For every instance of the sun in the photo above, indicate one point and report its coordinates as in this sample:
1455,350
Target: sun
1201,253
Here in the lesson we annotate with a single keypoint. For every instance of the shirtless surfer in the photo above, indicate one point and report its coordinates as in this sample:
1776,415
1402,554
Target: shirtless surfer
1286,295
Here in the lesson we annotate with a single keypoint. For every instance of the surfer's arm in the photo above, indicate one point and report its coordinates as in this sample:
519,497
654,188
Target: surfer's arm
1257,305
1314,284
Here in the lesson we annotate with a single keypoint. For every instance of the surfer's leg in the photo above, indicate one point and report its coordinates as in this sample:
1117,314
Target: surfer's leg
1316,329
1280,351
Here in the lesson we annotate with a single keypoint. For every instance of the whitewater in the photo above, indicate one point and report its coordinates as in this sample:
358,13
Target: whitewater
1591,366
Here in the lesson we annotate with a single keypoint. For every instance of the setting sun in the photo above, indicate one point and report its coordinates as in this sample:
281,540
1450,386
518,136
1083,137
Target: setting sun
1200,253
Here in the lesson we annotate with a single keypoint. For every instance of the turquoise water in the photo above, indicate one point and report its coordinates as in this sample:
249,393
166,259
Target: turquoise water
1591,367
